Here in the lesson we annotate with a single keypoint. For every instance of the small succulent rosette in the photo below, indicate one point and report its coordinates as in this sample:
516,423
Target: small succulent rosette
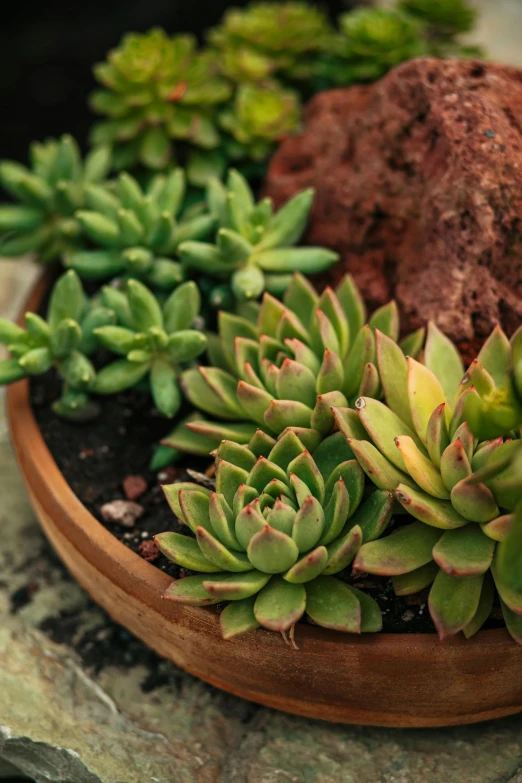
64,340
301,357
136,231
254,248
463,492
271,538
49,194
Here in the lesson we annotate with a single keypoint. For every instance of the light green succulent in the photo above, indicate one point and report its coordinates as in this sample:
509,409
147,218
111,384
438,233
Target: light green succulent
49,193
158,92
462,492
155,341
303,356
270,539
496,409
448,17
266,39
258,118
138,230
64,341
370,42
254,248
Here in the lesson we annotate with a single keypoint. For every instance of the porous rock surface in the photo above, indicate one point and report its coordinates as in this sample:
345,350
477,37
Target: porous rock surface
81,701
418,184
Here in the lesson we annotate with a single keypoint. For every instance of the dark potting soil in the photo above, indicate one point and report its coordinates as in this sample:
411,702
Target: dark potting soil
97,457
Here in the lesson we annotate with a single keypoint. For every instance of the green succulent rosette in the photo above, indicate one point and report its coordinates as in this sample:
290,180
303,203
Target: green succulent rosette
154,341
463,492
64,340
137,231
259,117
496,409
370,42
253,250
271,538
302,356
266,39
448,17
158,92
48,194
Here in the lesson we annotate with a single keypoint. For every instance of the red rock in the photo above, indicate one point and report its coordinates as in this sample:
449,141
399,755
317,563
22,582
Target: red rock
419,186
134,487
149,550
124,512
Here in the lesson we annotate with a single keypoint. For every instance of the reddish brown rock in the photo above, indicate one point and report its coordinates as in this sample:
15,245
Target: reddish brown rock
134,487
419,187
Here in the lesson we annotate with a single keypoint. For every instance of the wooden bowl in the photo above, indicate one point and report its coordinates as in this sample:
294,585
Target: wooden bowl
380,680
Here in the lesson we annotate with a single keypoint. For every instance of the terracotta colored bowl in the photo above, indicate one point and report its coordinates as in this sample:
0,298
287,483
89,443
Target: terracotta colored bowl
380,680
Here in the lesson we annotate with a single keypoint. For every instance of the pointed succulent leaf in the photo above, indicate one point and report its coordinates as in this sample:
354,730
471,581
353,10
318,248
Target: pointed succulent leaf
495,355
477,376
185,552
308,260
370,385
420,468
331,374
190,591
415,581
119,375
287,413
430,510
487,597
194,507
352,304
229,478
511,597
336,512
373,515
218,554
248,522
386,320
331,308
213,391
254,401
281,517
305,468
67,300
286,449
378,469
172,492
332,604
425,393
498,528
402,551
330,452
243,496
437,435
280,604
289,222
308,524
322,419
222,521
301,298
237,586
383,427
454,602
296,382
238,618
393,372
510,553
474,502
349,423
239,455
353,477
342,551
271,551
513,622
464,552
263,472
361,353
182,307
443,359
308,567
454,464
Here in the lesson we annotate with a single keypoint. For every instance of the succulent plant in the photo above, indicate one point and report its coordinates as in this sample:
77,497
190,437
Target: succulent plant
157,92
462,492
258,117
49,193
496,409
448,17
253,250
265,39
154,341
303,356
370,42
137,230
270,539
63,341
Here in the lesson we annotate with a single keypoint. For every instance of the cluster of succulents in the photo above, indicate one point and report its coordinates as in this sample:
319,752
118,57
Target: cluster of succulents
339,448
253,249
49,195
166,101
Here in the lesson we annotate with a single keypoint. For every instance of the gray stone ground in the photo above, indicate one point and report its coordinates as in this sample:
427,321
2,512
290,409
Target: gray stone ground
140,720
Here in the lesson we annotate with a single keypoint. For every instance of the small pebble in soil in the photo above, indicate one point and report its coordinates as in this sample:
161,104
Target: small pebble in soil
125,512
134,487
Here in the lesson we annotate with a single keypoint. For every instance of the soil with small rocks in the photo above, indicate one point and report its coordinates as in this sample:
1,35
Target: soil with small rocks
99,458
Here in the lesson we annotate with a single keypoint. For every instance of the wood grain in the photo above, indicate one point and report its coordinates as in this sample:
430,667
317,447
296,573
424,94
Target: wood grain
380,680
